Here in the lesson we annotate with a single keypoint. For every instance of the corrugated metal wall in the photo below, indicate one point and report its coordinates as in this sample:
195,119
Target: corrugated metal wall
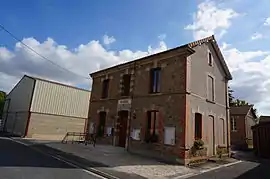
52,127
55,99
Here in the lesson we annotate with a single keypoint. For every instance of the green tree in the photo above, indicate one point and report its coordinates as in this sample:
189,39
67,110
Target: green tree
3,96
231,98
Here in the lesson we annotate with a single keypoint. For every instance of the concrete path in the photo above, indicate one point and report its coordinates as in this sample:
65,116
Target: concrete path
117,161
18,161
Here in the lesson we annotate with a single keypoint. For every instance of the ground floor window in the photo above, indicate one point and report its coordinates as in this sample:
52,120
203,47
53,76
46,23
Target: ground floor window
198,126
101,124
151,135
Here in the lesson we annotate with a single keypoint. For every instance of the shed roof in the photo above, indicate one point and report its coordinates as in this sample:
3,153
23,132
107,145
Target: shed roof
240,110
263,119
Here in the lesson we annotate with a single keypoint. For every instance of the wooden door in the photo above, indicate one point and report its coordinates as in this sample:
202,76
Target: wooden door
211,141
122,121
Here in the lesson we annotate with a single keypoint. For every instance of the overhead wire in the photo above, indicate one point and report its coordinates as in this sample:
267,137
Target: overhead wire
37,53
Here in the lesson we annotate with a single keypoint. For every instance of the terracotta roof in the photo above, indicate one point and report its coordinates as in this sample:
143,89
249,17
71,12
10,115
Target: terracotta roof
189,47
264,119
240,110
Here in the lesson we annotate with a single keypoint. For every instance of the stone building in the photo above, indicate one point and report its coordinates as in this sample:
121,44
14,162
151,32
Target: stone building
160,104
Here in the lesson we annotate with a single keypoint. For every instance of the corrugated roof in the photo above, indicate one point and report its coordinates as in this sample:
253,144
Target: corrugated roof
240,110
54,82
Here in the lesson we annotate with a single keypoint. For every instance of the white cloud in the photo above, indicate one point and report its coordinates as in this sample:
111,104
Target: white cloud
267,22
251,80
84,59
108,40
256,36
211,19
162,36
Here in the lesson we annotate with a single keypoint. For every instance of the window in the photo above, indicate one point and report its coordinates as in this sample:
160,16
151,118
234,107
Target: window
233,124
105,88
198,126
155,80
222,130
210,59
126,85
210,88
151,135
101,124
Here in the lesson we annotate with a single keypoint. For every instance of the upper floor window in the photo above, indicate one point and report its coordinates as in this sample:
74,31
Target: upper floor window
198,126
126,85
210,59
233,124
155,80
105,88
210,88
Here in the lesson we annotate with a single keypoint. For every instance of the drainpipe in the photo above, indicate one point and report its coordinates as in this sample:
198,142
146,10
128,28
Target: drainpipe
227,117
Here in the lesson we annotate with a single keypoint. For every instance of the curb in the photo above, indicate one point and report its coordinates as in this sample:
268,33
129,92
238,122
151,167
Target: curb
69,162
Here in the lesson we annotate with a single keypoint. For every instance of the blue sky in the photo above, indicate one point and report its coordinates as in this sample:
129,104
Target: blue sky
85,36
76,22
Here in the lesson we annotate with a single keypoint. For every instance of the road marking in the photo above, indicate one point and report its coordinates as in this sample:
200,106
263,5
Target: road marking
221,166
69,163
205,171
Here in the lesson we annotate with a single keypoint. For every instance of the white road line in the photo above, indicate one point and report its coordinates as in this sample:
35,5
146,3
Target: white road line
62,160
207,170
221,166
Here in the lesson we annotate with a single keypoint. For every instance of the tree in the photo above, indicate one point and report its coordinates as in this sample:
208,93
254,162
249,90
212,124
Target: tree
3,96
231,98
239,102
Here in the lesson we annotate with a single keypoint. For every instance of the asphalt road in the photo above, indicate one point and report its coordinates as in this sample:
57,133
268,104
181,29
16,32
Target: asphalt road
243,170
21,162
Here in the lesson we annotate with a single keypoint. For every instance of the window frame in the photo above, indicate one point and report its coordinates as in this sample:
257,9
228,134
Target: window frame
101,132
105,92
233,124
151,134
155,77
125,91
198,134
210,59
212,96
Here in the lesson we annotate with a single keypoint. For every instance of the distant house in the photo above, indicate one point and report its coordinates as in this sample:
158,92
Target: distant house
242,118
160,104
42,109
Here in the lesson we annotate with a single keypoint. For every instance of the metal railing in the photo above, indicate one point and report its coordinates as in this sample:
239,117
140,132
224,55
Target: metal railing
78,137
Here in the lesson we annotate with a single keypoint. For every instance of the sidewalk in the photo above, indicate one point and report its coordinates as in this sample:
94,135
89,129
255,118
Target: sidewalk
111,160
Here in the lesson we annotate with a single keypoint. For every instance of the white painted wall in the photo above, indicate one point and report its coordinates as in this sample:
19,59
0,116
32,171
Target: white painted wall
51,98
20,96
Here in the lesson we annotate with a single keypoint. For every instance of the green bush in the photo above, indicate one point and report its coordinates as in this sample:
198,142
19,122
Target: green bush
198,144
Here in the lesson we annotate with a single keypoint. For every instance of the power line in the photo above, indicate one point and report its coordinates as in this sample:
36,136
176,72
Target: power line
40,55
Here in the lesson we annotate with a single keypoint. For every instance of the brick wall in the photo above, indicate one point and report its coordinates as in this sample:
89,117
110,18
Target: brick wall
238,136
171,102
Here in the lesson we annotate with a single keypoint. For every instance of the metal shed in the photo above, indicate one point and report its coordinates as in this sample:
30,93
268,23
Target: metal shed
261,139
43,109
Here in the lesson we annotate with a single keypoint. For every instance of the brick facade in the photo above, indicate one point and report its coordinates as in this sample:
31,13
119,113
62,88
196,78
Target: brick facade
174,103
